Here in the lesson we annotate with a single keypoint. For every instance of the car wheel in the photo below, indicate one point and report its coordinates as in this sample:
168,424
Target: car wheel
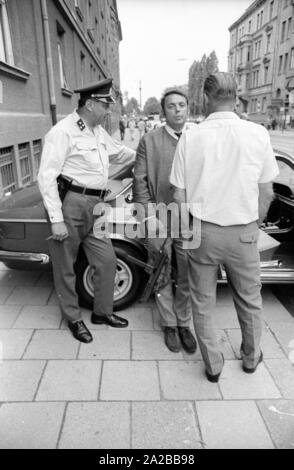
129,278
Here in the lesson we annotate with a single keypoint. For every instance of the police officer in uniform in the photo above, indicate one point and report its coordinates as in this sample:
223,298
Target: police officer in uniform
77,151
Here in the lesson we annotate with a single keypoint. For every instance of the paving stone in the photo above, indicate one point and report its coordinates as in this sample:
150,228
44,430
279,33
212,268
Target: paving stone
70,380
125,380
39,317
14,342
225,317
150,345
139,318
269,346
29,295
279,418
53,298
164,426
283,373
5,292
19,379
237,385
52,344
16,277
224,346
275,312
107,345
156,320
45,279
8,315
232,425
96,426
284,333
30,425
186,381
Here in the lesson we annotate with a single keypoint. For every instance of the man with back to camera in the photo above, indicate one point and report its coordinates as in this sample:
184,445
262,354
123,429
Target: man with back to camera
79,149
151,185
223,169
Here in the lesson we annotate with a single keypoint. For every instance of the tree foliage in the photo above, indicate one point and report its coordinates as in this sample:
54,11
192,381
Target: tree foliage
131,107
152,106
198,72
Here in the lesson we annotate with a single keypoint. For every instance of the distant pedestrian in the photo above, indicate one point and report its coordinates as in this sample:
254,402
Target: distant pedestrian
274,124
141,127
132,127
122,128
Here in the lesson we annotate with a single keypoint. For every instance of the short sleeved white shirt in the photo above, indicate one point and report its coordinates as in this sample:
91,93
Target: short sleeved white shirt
220,164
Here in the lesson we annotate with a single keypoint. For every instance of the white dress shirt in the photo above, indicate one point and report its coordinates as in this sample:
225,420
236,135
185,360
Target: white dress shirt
220,163
73,150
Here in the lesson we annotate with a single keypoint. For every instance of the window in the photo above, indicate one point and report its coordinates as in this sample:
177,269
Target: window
289,27
248,53
283,34
7,169
268,42
292,59
61,56
247,80
37,150
263,105
266,70
261,18
257,21
24,160
82,57
249,26
6,52
280,64
286,63
271,10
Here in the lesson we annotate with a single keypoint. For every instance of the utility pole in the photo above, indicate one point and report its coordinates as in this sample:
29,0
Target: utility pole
140,94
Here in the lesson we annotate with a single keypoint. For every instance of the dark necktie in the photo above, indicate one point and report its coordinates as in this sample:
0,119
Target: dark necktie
178,134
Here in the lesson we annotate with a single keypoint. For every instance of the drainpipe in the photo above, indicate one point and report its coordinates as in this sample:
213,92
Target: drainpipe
50,74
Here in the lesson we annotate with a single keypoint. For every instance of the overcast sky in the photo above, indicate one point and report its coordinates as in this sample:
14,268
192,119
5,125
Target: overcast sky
162,38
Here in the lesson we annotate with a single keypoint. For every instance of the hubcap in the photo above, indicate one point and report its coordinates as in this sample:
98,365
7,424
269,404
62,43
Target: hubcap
122,283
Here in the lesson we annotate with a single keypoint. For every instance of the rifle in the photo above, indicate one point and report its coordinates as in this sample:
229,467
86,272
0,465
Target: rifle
154,270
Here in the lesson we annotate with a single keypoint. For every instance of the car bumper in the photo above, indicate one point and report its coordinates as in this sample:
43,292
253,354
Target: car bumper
38,258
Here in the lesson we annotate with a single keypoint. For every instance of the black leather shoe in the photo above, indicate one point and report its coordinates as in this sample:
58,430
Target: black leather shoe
171,338
80,331
250,370
187,339
112,320
214,377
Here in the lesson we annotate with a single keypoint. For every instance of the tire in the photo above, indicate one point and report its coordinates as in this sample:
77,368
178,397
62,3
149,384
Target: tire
129,280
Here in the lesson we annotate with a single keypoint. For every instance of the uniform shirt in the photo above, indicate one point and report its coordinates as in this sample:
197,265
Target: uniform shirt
220,164
73,150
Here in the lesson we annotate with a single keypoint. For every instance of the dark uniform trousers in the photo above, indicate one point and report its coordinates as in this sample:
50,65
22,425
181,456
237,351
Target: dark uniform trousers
236,248
78,216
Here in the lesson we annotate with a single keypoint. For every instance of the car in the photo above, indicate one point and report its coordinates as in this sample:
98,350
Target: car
23,233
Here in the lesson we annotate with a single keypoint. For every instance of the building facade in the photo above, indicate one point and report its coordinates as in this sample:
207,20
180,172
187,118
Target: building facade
56,47
261,56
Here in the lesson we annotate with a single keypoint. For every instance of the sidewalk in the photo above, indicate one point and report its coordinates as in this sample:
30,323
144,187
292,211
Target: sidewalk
126,390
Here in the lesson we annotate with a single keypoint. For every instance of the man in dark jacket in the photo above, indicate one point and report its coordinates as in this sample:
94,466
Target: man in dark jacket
153,164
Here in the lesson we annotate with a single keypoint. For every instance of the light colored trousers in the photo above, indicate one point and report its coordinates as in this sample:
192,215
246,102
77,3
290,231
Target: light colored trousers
78,216
173,308
236,248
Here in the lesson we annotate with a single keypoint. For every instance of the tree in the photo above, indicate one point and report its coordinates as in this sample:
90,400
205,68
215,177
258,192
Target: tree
131,107
152,106
198,72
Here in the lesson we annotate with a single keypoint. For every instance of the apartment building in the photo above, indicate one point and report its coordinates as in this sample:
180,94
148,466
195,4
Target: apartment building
48,48
261,56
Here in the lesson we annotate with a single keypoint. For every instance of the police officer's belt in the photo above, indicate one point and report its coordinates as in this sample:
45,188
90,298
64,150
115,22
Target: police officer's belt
88,191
